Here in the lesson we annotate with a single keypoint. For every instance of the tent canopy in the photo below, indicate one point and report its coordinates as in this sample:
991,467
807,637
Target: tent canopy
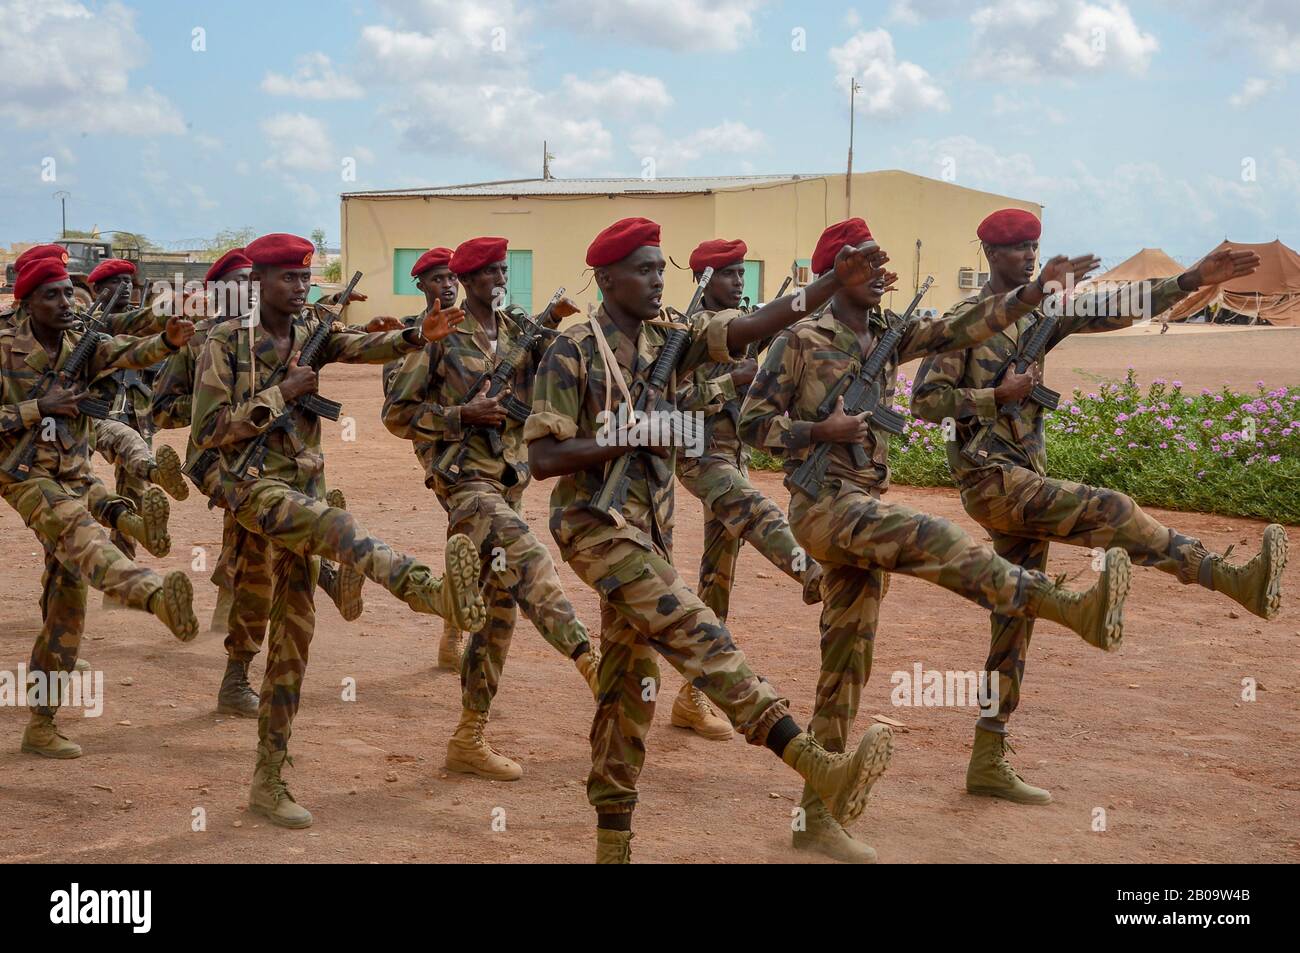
1147,264
1271,293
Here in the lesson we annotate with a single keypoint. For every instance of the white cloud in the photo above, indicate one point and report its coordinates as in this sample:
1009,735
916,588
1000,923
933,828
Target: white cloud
890,87
298,142
68,67
502,123
671,154
1254,88
430,37
1011,105
913,12
623,94
314,77
1269,29
711,26
1058,36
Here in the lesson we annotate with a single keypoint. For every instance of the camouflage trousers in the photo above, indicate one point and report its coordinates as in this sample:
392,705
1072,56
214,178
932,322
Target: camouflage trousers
646,607
296,527
244,569
78,551
858,538
735,512
1023,512
131,454
518,572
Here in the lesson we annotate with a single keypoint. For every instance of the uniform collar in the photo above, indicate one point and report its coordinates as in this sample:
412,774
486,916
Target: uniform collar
1011,331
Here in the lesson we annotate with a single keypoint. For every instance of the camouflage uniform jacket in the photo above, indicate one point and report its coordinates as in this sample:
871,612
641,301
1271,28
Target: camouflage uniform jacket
568,401
710,390
23,361
424,402
807,360
960,383
173,388
229,410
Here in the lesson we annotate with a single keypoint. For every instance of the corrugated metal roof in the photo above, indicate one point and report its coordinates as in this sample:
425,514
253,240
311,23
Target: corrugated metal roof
610,186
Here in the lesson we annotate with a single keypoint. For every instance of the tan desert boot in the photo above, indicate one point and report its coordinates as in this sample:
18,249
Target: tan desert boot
691,709
167,474
269,796
469,753
42,737
842,781
822,834
173,604
613,847
990,773
1097,613
1257,586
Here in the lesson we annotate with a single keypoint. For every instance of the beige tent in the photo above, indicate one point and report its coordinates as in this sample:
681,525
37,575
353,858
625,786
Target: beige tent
1271,293
1147,264
1150,264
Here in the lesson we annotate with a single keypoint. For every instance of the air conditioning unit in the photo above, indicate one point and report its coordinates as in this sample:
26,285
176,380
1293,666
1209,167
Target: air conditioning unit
982,280
966,278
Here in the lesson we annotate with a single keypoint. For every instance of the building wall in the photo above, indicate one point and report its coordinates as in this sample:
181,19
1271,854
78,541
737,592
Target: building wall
779,223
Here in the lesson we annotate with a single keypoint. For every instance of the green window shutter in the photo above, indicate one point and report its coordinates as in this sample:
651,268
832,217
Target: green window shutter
805,270
404,260
519,281
753,282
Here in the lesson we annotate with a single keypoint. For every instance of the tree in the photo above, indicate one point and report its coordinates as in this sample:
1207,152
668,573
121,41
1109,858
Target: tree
229,238
318,239
333,271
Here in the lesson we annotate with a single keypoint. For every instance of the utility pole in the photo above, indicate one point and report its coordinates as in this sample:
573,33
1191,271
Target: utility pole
546,162
63,197
848,178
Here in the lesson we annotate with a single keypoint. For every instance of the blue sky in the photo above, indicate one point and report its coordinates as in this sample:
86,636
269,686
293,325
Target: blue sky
1142,123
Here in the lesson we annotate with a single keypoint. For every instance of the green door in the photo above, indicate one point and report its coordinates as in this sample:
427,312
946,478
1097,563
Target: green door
519,281
754,282
404,260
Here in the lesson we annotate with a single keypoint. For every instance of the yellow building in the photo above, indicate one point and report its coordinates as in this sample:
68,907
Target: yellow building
927,226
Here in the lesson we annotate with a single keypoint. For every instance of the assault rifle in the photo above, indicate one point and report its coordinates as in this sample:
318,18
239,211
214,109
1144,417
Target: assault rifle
253,459
18,465
450,462
611,499
862,393
976,450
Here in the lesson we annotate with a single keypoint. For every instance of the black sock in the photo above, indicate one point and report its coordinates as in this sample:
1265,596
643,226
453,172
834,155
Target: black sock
781,734
618,821
579,651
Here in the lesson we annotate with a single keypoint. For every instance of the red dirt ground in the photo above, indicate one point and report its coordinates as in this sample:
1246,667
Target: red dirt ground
1157,734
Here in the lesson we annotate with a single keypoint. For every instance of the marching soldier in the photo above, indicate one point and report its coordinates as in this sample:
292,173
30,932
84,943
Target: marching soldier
626,557
734,512
126,389
242,574
435,279
246,399
858,537
439,400
55,492
1006,488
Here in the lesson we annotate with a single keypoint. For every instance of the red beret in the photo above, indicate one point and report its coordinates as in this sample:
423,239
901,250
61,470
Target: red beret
39,272
279,249
852,231
477,253
232,260
37,252
717,253
432,259
620,240
1009,226
110,268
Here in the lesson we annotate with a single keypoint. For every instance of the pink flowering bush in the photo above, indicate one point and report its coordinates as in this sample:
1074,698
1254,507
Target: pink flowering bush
1225,452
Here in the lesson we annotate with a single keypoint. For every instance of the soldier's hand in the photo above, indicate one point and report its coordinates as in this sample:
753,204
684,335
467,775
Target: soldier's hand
890,280
1061,270
839,427
1222,265
383,323
178,331
857,266
484,411
1015,387
438,324
61,400
298,380
744,373
563,309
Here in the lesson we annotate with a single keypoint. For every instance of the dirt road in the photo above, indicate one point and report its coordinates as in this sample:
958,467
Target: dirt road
1157,735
